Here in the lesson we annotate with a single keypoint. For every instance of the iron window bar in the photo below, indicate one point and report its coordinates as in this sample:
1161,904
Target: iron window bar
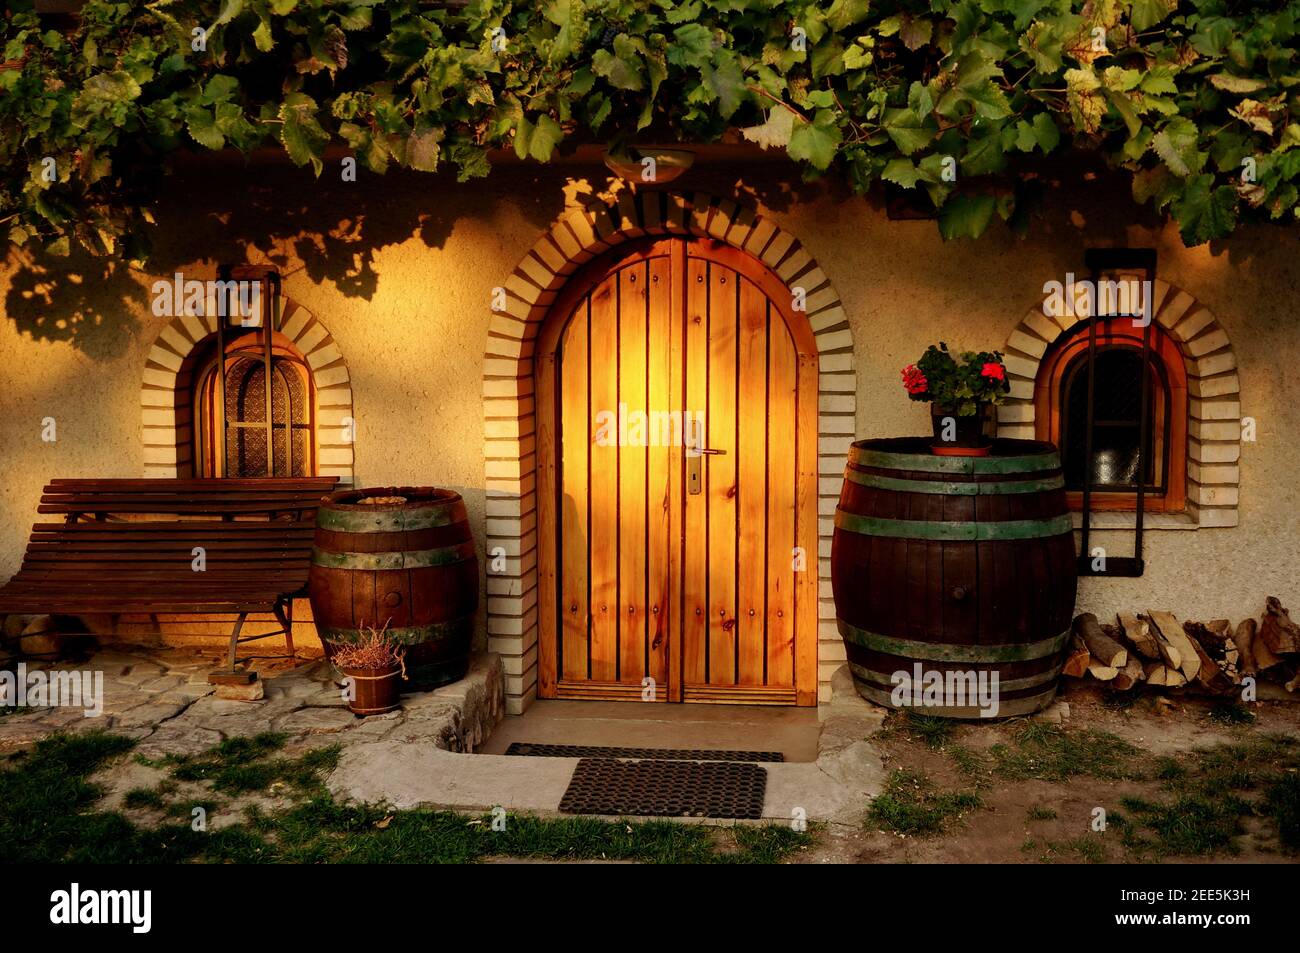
268,318
1099,262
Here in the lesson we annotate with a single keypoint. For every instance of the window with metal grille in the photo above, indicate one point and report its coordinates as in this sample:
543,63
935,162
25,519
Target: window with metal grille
243,416
1061,414
1116,421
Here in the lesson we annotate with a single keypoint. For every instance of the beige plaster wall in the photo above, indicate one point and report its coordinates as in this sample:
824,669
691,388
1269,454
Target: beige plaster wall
400,270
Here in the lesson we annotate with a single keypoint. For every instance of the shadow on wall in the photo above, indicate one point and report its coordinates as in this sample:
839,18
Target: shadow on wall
217,209
263,212
82,300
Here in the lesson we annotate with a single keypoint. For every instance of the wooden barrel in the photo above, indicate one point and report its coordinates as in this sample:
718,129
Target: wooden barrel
406,561
952,569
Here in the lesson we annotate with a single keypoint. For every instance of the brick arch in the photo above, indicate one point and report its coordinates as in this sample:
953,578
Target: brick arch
165,392
1214,388
510,448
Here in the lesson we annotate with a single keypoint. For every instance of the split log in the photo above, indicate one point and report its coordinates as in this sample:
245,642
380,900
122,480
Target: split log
1160,674
1102,673
1279,633
1138,632
1076,663
1221,628
1172,657
1262,657
1168,628
1104,649
1129,675
1208,635
1209,676
1244,639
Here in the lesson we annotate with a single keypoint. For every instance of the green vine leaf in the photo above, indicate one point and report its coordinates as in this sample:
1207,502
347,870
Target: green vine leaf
303,137
1178,95
815,142
966,216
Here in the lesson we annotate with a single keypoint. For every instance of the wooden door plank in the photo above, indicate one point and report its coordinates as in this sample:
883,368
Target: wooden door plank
695,621
575,442
633,612
676,615
603,481
720,474
806,529
751,486
549,627
782,477
659,498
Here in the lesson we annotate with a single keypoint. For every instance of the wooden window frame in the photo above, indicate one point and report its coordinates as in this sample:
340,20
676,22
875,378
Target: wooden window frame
1164,352
209,415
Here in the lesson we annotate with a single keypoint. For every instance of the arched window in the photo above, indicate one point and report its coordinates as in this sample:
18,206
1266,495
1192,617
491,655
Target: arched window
250,417
1061,414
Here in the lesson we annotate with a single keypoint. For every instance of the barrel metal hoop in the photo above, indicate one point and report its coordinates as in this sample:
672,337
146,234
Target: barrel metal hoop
405,635
1007,708
1004,684
1031,463
389,521
947,488
953,530
937,652
408,559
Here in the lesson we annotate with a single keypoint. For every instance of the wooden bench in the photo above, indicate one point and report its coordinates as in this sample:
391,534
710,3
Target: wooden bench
135,546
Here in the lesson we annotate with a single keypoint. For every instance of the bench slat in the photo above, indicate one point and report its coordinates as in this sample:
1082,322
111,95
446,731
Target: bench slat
143,565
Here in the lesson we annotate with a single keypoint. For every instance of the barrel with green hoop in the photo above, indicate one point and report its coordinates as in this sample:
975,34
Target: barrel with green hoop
947,571
401,557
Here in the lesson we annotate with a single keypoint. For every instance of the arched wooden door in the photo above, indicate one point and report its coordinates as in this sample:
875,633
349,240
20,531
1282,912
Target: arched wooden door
677,464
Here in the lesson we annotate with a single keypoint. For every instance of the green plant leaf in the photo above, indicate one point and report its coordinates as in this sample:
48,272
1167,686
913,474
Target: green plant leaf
1204,212
966,216
815,142
1176,145
303,137
908,131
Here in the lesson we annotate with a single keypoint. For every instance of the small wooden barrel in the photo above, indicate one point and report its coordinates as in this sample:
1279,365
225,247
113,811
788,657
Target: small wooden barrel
406,561
950,569
376,690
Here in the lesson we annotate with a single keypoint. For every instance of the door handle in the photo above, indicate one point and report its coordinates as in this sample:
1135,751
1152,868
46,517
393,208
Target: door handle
695,468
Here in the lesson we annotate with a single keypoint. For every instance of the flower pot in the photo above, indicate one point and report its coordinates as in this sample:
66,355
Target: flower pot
374,690
964,436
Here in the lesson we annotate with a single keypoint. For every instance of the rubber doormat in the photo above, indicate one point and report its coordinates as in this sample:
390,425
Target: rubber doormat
720,789
531,750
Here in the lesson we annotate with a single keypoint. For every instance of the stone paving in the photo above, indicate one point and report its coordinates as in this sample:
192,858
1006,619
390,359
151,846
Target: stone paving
161,698
413,756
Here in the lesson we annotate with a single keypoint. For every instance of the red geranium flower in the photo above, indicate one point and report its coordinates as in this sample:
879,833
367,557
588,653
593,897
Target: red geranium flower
914,380
994,370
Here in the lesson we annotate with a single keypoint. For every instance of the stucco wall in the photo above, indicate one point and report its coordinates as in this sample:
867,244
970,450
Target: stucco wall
400,271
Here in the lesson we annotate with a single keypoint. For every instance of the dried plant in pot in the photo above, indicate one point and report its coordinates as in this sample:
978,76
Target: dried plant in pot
374,665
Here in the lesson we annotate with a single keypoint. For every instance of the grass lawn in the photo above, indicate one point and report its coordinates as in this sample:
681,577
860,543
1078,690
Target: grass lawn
1198,804
48,813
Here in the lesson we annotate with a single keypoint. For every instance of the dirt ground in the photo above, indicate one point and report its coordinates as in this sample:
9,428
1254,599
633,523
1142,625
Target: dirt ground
1060,828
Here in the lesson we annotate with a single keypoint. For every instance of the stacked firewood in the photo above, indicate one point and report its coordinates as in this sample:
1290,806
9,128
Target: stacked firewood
1209,656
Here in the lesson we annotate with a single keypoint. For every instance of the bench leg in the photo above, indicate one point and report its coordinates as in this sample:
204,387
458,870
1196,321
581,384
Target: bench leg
234,640
284,612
